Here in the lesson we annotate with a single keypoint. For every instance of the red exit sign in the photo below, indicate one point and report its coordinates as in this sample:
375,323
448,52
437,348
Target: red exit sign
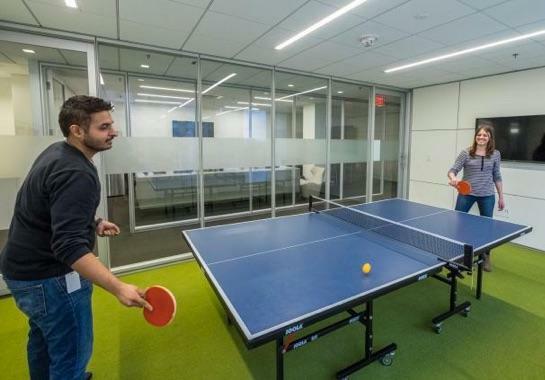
380,100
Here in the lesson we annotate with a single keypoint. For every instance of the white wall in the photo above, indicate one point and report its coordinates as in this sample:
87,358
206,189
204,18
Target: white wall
443,124
7,124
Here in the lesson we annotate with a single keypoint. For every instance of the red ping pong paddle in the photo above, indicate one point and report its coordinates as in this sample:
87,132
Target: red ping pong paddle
463,187
163,303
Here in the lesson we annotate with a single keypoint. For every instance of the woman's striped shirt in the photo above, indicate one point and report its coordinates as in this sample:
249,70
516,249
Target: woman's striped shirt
482,172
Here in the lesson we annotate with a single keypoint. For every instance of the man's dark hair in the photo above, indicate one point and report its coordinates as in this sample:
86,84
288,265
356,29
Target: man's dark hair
78,110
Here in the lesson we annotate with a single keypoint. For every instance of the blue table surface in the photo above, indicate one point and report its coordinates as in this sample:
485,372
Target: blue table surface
273,272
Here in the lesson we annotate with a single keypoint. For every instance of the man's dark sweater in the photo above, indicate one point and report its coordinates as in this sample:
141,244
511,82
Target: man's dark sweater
53,223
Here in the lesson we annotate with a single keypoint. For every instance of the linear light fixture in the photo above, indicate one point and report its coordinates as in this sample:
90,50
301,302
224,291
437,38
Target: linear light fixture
144,66
219,82
235,109
71,3
154,101
165,88
29,51
256,104
322,22
267,98
302,92
181,105
466,51
162,96
101,80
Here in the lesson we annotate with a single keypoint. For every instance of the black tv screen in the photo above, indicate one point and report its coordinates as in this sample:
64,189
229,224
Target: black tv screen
519,138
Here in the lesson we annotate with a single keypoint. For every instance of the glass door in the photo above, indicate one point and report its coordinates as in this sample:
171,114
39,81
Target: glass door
387,144
36,75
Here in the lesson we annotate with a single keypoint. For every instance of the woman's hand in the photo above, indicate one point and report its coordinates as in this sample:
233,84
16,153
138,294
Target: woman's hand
501,204
454,181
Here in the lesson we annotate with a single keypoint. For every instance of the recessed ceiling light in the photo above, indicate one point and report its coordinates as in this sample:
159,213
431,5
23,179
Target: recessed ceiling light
290,85
101,80
71,3
154,101
465,51
144,66
140,80
339,92
29,51
322,22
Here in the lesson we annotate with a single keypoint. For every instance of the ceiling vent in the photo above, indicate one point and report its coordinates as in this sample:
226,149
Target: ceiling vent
368,40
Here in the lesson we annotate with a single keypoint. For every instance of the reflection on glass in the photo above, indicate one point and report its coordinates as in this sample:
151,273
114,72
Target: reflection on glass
236,132
386,145
349,119
301,124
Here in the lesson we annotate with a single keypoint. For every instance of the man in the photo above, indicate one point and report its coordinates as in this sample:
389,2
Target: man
47,262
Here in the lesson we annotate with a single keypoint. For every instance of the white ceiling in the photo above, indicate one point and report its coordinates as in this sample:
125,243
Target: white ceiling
248,30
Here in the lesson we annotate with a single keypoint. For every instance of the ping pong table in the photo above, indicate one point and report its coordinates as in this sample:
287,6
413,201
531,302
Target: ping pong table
277,276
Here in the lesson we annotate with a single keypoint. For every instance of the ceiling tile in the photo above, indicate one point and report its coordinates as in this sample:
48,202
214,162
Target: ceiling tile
160,13
409,47
435,12
15,11
266,12
318,56
482,4
75,58
152,34
518,12
385,34
464,29
183,67
96,18
218,46
356,64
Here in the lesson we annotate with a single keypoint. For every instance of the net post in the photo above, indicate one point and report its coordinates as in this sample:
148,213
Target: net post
310,203
468,256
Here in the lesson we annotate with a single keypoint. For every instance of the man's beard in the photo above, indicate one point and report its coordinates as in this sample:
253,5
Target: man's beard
96,145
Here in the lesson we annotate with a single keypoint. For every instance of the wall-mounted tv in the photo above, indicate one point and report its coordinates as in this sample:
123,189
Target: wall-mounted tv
189,129
519,138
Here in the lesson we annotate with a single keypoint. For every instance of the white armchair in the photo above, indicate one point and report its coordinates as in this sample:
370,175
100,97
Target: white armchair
311,183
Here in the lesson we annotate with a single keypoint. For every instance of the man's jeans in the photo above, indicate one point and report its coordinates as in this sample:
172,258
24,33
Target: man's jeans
60,341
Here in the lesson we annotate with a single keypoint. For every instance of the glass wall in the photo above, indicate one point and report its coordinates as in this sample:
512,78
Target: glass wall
349,120
152,170
185,159
301,145
34,81
236,124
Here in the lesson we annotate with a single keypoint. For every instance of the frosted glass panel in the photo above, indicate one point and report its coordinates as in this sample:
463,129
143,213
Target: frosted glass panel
135,154
348,151
300,151
249,153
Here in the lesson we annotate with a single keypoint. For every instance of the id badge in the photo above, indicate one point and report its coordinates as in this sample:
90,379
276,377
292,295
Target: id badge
73,282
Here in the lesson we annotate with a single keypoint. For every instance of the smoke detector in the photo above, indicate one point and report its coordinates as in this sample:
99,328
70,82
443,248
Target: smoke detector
368,40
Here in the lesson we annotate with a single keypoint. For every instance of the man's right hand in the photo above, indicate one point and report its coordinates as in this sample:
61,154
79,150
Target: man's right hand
130,295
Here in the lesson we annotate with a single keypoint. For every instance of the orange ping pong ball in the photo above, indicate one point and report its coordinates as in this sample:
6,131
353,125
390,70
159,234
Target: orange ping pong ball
366,268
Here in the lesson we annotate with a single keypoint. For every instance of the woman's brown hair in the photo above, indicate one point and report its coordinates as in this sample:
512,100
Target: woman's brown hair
488,127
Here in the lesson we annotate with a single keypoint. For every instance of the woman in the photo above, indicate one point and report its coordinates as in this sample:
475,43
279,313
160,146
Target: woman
481,165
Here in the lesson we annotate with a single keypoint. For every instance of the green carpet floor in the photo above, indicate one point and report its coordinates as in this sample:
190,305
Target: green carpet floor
503,337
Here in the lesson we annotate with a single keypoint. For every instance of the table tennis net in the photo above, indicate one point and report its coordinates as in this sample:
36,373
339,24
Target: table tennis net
444,248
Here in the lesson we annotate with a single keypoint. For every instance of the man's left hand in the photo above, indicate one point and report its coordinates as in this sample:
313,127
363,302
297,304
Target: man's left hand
105,228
